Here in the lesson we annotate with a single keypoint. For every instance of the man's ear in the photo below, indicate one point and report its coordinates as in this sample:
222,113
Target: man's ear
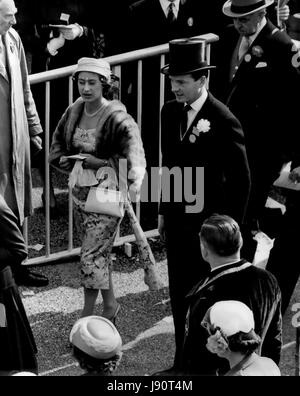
204,250
203,81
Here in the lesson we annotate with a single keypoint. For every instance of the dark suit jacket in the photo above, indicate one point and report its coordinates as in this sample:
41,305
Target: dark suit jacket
149,26
261,96
220,151
12,245
244,282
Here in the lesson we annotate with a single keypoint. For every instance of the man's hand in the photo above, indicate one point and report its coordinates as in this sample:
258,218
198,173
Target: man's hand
71,32
37,142
54,44
161,228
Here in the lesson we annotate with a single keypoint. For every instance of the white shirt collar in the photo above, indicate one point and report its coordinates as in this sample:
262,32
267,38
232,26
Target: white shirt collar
165,6
197,106
225,265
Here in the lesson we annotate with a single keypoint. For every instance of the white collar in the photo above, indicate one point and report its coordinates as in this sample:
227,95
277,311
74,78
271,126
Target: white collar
225,265
259,29
196,107
165,6
198,104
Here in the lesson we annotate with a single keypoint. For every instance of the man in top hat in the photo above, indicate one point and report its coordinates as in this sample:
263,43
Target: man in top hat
257,79
203,148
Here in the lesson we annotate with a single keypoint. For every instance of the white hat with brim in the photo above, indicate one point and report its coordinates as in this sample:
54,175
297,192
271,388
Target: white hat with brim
240,8
231,317
93,65
97,337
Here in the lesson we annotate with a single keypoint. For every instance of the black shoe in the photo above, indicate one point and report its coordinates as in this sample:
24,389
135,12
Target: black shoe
24,277
172,372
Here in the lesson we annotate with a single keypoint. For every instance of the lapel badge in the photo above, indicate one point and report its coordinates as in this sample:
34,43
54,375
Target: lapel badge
190,22
248,58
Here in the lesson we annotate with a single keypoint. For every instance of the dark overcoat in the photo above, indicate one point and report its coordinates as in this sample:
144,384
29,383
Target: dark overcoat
220,152
261,95
243,282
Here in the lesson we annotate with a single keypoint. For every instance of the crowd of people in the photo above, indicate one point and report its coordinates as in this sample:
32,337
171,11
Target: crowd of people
234,137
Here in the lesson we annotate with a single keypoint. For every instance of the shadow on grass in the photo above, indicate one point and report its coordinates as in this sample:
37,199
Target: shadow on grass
139,313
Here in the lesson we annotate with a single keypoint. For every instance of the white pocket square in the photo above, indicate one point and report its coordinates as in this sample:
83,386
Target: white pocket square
261,64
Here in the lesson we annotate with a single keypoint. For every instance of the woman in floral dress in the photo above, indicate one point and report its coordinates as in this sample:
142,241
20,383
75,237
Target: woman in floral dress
105,133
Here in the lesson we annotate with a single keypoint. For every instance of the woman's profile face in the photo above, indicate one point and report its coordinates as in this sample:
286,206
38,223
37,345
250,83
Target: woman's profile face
89,86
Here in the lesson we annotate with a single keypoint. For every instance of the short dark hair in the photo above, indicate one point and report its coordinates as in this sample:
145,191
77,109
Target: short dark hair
222,234
91,364
200,73
244,343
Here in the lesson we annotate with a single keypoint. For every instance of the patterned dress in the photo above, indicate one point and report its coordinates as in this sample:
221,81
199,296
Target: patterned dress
97,231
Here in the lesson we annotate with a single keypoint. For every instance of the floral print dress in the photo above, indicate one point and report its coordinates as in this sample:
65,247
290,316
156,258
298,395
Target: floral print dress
97,231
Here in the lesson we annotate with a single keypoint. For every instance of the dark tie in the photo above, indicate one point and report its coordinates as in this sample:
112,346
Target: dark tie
171,16
184,120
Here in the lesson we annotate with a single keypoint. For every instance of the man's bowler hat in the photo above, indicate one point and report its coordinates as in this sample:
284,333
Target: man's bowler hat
240,8
186,56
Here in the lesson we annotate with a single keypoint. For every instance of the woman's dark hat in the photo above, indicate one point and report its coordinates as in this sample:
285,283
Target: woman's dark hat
186,56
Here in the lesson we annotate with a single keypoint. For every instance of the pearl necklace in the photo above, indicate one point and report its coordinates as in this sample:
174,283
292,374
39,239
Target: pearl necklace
92,114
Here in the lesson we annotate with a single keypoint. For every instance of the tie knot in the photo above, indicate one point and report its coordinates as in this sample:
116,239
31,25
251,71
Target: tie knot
171,6
186,108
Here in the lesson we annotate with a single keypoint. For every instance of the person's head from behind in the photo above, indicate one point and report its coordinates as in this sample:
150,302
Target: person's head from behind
220,240
97,345
230,327
8,11
94,79
188,69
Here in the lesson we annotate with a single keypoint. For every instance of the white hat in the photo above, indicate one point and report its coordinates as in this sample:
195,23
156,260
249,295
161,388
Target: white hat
231,317
240,8
96,336
99,66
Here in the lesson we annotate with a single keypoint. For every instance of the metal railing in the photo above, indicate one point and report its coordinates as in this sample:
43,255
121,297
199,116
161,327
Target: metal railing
116,63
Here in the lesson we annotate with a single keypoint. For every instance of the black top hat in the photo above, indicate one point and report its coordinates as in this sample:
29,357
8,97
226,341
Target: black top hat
186,56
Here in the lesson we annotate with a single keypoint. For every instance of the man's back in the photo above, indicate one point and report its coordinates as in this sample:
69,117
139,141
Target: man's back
244,282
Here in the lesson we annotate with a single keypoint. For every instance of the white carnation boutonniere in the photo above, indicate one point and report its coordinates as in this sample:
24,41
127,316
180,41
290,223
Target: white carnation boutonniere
257,51
203,126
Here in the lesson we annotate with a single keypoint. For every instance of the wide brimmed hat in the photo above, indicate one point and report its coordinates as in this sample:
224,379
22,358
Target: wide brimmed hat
97,337
93,65
186,56
240,8
231,317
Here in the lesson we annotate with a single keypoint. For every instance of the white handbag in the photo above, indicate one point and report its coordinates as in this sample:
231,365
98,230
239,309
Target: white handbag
105,201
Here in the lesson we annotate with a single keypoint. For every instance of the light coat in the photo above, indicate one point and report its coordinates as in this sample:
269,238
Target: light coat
21,123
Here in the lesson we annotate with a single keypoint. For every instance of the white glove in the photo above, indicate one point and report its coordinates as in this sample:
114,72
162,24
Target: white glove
71,32
54,44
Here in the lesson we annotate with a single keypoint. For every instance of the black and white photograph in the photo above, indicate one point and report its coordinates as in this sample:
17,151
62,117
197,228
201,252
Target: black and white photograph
149,191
